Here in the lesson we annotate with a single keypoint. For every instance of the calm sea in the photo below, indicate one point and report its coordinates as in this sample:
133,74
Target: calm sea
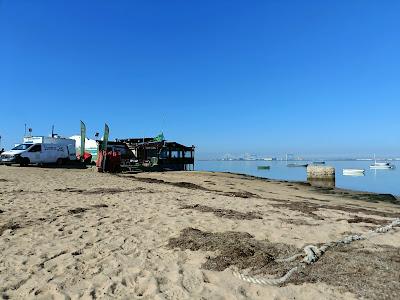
378,181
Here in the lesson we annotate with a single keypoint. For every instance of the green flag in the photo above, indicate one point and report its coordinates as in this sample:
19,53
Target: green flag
83,138
159,138
105,137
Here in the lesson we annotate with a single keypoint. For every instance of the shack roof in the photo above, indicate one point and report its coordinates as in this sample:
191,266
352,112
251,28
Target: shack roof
151,143
135,140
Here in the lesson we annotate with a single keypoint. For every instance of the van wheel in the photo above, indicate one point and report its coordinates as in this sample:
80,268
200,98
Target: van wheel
60,162
24,162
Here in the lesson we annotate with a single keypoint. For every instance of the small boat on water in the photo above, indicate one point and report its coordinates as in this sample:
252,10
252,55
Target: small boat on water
353,172
381,166
263,167
297,165
318,162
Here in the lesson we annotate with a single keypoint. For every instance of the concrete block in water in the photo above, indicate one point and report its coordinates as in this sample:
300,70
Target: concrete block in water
321,176
320,172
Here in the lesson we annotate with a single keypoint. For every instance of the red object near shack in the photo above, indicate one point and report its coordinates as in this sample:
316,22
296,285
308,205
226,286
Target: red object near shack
112,161
86,158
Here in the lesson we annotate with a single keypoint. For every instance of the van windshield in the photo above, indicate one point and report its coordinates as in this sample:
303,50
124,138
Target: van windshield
22,147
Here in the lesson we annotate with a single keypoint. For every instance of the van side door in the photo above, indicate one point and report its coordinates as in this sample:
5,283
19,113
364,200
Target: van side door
60,151
34,153
51,152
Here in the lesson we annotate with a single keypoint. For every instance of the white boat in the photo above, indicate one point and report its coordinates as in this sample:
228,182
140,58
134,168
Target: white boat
381,165
353,172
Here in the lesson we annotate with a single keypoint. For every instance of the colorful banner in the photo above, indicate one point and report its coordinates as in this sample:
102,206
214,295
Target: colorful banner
83,138
105,137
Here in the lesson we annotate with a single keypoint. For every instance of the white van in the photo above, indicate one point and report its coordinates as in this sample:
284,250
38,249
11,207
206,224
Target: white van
39,153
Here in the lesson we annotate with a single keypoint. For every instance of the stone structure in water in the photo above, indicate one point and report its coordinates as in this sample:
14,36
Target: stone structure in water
322,176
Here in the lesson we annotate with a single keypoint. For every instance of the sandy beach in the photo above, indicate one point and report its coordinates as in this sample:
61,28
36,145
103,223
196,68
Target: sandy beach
71,234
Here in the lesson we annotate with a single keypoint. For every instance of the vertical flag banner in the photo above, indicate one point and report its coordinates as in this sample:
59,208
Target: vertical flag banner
83,138
105,141
105,137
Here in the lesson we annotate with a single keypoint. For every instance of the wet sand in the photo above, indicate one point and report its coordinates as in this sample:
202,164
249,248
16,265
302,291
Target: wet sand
70,234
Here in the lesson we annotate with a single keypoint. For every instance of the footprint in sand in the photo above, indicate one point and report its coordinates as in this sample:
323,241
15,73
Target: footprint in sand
146,284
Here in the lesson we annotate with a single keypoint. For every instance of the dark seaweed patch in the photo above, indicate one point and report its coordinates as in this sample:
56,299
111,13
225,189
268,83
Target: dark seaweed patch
9,226
77,210
358,219
368,274
225,213
233,248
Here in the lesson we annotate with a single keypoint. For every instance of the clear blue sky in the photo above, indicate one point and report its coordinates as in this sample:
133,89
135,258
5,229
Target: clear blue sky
306,77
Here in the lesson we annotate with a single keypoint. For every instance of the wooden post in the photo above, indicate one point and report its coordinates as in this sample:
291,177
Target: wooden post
191,154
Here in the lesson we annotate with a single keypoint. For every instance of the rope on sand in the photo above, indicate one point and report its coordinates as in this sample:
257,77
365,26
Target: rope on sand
265,281
313,254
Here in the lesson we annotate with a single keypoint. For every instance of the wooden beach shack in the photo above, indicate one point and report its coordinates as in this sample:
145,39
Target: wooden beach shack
152,154
162,154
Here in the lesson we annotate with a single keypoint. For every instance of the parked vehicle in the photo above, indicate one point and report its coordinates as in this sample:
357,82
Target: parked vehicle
59,151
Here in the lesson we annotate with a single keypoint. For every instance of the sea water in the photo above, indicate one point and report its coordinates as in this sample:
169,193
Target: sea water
378,181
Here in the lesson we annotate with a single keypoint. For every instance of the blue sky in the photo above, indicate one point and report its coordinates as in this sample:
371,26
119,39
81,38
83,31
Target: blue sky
268,77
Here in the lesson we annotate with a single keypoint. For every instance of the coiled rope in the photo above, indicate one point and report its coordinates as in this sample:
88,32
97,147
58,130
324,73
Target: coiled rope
313,254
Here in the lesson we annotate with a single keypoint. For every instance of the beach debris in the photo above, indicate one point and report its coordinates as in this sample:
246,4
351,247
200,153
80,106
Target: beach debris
241,194
77,210
368,273
310,208
225,213
306,208
189,185
193,186
358,219
9,226
297,222
100,205
80,210
182,184
232,248
210,182
96,191
313,254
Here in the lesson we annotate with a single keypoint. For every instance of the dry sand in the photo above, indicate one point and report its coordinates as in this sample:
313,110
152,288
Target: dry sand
68,234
